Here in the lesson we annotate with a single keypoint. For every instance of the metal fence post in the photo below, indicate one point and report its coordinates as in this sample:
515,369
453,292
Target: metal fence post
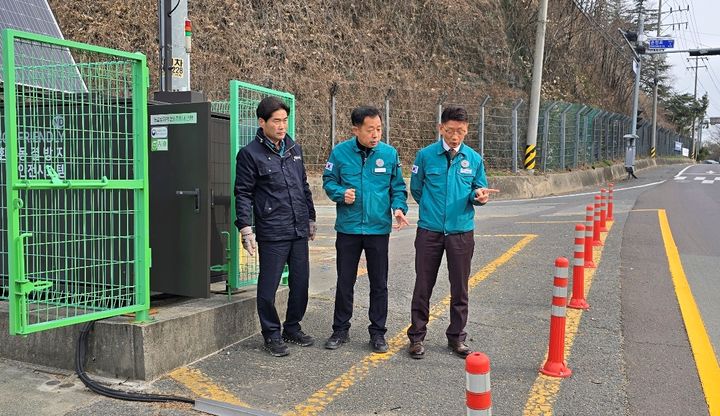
546,127
333,114
577,135
441,100
562,136
388,95
515,135
481,130
595,147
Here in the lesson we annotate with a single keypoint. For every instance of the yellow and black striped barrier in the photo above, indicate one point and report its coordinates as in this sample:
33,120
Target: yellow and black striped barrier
530,155
652,152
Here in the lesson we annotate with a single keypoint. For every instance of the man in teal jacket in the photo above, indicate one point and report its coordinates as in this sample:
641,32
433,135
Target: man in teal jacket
363,177
448,180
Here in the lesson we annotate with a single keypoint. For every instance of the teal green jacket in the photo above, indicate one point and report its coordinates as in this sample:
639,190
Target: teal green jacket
379,187
446,194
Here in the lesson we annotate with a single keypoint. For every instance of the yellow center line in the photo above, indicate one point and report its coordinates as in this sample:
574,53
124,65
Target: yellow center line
319,400
705,358
203,386
545,389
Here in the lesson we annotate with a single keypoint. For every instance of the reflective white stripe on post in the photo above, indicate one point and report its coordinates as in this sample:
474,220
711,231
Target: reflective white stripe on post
558,311
475,412
477,383
579,261
561,272
580,247
559,292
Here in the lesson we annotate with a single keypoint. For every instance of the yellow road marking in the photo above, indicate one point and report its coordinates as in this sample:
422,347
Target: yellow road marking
323,397
201,385
545,389
705,358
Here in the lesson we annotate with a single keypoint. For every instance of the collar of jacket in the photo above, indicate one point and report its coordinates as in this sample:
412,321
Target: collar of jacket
260,136
358,150
441,150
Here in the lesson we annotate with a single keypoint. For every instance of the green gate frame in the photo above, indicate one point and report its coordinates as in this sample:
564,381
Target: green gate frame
244,99
53,293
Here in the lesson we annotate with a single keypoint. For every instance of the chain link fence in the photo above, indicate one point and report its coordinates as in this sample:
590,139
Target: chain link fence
570,135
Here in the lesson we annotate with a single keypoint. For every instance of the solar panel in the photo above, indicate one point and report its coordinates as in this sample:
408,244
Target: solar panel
35,16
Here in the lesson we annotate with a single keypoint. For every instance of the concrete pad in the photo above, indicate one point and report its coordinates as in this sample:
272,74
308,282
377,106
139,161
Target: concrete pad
183,331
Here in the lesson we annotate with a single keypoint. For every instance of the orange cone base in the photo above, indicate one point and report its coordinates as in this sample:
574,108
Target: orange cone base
610,218
604,229
578,304
598,243
589,264
556,369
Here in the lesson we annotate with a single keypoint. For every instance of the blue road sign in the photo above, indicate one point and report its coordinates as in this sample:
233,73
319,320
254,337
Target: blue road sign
661,43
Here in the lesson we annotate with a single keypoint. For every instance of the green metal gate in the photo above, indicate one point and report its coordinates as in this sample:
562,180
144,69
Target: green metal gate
244,99
76,181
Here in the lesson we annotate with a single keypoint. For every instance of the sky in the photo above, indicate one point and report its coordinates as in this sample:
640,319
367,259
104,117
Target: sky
702,31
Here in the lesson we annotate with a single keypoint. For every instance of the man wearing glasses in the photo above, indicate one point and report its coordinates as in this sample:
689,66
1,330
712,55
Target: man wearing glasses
448,180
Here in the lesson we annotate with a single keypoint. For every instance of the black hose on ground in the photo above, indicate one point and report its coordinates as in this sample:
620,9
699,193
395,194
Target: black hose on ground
80,353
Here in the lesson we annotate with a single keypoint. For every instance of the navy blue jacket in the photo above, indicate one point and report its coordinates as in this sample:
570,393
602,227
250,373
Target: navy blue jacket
273,190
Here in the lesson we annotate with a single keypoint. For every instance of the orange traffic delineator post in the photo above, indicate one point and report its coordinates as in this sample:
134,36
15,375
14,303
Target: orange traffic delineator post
610,216
555,366
478,399
578,293
603,209
596,223
589,237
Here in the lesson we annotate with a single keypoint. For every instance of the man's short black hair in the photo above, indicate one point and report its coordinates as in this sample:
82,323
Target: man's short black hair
454,113
269,105
359,114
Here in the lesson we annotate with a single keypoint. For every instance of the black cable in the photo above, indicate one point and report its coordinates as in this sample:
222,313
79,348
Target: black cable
80,353
173,9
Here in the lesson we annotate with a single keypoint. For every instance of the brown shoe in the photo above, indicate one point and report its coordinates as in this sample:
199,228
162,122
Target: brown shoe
459,348
417,350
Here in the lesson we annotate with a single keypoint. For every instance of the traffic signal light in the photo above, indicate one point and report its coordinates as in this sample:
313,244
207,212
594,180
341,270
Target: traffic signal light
639,121
632,38
704,52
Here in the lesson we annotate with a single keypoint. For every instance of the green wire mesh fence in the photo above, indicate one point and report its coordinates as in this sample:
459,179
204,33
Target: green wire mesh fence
75,182
244,99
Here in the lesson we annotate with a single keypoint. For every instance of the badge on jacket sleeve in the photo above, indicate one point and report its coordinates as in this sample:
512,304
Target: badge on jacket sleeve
329,166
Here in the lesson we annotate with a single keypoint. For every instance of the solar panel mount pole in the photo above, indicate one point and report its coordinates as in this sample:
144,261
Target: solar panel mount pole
167,45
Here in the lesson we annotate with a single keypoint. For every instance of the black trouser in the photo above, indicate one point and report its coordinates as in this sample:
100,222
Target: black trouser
349,247
273,256
429,248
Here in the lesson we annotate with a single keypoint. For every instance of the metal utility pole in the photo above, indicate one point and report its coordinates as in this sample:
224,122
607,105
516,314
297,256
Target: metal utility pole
692,127
632,137
534,111
653,141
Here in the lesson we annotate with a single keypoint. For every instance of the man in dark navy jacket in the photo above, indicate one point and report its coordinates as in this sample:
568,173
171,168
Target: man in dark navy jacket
271,187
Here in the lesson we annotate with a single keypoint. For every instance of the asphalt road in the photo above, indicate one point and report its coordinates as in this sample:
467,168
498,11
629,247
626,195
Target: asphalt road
629,352
662,369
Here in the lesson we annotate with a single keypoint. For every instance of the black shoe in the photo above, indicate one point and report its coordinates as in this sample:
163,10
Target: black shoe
378,344
276,347
299,338
337,339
